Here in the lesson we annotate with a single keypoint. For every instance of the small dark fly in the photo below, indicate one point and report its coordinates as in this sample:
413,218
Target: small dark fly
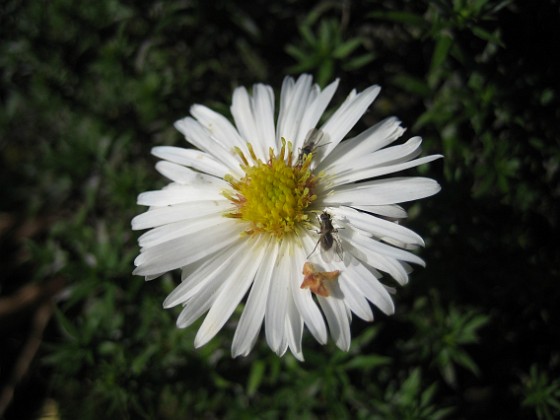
314,139
330,245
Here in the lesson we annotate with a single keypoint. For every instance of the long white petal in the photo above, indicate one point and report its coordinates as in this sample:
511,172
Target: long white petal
263,111
201,161
254,117
294,99
199,305
216,265
234,289
354,299
177,194
359,175
337,318
392,211
375,261
303,298
218,127
178,252
382,192
313,112
374,138
183,175
253,314
277,302
380,228
366,243
363,280
294,330
187,230
206,140
384,157
179,212
345,117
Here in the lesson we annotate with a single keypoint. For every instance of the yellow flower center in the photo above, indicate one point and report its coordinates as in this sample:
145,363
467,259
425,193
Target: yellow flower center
272,197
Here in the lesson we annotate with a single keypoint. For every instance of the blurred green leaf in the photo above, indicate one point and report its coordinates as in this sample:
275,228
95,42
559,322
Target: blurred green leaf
367,362
541,393
441,51
399,17
255,377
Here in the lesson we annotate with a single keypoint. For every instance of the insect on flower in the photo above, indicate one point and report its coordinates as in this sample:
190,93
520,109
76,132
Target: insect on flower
314,139
330,245
319,282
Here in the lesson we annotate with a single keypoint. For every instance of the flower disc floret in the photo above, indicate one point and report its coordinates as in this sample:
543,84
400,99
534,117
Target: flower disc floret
272,197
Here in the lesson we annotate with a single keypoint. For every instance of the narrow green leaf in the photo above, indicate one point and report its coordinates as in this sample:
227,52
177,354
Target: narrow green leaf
65,324
492,37
412,84
308,35
366,362
399,17
441,51
347,48
297,53
255,377
358,62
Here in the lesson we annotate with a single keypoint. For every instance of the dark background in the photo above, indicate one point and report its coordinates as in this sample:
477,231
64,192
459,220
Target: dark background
88,88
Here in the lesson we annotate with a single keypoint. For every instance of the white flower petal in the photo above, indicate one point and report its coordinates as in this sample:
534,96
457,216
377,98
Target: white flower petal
301,107
161,216
354,298
337,318
294,100
394,154
253,314
383,170
281,350
383,192
200,303
365,243
236,284
313,112
379,163
263,111
183,175
363,280
294,330
198,306
243,114
396,269
303,299
212,142
177,194
217,265
345,117
254,117
370,140
217,127
195,159
277,302
379,228
392,211
178,252
187,231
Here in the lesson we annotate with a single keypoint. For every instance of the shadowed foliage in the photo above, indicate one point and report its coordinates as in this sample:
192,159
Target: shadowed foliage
88,89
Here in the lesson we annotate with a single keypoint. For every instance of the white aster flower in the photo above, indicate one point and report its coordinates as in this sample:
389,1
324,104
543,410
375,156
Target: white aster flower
283,216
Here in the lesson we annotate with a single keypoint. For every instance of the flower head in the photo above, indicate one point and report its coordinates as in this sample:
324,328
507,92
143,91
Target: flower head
282,215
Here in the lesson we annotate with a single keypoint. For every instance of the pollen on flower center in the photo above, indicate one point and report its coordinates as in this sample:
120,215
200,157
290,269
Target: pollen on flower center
273,196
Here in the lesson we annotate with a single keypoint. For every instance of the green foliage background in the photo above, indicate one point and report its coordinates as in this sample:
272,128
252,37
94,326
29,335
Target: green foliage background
88,88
